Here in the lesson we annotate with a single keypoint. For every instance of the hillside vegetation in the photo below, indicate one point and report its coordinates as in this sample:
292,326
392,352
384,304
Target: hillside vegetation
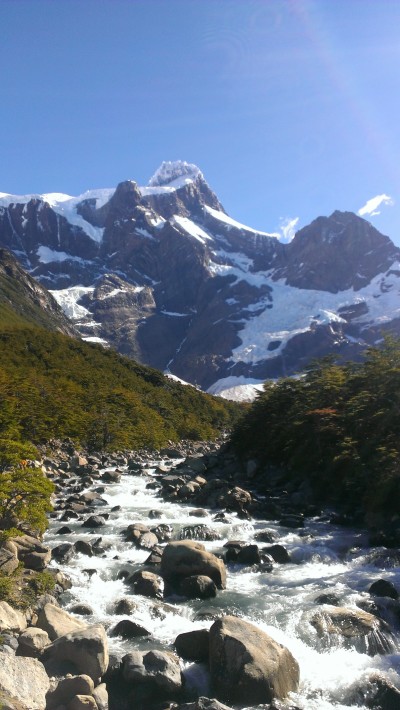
55,386
338,428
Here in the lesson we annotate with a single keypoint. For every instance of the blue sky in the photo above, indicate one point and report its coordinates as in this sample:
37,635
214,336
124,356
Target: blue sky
289,107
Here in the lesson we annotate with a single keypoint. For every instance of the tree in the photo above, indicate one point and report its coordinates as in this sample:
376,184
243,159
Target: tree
24,497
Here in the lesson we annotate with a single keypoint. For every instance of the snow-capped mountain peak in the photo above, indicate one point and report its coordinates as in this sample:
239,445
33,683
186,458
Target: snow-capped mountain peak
175,174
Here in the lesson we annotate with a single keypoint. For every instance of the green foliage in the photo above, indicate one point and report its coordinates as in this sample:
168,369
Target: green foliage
54,386
24,497
6,588
338,427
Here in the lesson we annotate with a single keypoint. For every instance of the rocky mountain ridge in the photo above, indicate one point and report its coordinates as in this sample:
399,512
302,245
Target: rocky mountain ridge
161,273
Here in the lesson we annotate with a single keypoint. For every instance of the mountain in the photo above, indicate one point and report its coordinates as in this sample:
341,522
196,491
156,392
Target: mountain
161,273
23,301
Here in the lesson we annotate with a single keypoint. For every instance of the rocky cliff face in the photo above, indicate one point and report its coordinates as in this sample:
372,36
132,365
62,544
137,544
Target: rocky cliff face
163,274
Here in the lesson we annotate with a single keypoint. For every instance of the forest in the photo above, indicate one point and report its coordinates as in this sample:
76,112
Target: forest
336,427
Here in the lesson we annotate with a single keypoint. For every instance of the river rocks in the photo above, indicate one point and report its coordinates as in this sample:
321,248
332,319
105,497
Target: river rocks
265,536
278,553
100,695
235,499
198,532
146,583
247,666
193,645
248,555
32,642
198,586
377,693
83,547
82,702
57,622
111,476
11,619
384,588
158,670
94,521
125,606
185,559
354,628
8,558
128,629
204,704
82,609
32,553
87,650
23,680
67,688
63,553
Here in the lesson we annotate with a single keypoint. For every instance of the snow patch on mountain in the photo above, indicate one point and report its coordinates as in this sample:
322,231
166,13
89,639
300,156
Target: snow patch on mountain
175,173
191,228
65,206
237,389
68,300
229,223
47,256
296,311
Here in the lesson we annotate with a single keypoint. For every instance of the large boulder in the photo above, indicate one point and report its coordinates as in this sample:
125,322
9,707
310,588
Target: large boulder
87,650
159,670
146,583
57,622
32,642
67,688
11,619
247,665
352,628
198,586
182,559
32,552
23,680
193,645
8,558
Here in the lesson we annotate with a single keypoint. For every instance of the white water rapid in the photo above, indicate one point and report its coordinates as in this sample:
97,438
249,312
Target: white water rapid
324,559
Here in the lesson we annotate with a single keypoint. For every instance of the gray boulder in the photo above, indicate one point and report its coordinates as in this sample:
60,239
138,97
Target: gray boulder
32,642
353,628
11,619
8,558
57,622
32,553
100,695
67,688
193,645
247,666
159,670
23,680
87,650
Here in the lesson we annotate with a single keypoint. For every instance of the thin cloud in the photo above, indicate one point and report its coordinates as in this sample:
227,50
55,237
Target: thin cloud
372,206
288,229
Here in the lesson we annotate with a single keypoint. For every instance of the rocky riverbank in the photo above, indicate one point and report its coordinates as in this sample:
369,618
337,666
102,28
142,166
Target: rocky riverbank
55,659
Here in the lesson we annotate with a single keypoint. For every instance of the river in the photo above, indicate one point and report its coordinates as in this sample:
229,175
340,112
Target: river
324,559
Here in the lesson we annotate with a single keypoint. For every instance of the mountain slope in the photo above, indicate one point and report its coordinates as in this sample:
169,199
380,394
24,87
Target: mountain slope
162,274
52,385
24,301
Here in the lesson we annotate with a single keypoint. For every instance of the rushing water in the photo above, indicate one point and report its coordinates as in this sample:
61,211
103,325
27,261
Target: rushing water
324,559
